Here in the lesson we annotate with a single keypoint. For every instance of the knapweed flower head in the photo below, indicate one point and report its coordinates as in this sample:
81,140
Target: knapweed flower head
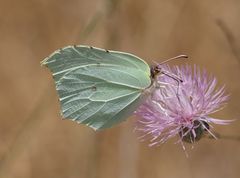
181,105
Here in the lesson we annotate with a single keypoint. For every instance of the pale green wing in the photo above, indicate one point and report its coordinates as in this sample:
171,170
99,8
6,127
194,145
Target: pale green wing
96,87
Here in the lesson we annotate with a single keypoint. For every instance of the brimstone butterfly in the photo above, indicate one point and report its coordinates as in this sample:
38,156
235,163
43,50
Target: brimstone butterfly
97,87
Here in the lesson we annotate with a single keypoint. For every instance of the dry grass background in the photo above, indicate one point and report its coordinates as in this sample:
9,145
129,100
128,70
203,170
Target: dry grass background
35,142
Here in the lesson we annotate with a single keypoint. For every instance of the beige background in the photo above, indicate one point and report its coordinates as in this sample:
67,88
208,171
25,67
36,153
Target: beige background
35,142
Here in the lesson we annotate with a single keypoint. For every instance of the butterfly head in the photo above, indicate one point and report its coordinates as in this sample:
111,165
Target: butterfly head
155,70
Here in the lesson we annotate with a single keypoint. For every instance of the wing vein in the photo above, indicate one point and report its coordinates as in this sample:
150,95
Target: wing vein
122,108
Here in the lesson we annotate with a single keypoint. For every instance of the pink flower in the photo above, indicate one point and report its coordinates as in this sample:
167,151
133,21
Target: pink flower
181,109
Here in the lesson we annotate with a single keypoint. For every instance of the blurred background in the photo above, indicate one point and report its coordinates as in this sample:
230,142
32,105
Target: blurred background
35,142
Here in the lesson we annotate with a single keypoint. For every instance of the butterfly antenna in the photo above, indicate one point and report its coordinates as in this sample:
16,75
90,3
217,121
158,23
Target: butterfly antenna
182,56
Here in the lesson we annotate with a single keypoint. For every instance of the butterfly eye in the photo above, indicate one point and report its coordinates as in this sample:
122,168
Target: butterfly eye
155,70
158,69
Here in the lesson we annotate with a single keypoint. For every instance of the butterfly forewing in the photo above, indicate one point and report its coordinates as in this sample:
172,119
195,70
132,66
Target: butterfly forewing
96,87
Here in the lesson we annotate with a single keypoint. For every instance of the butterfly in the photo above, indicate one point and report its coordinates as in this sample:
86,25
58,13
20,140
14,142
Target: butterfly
97,87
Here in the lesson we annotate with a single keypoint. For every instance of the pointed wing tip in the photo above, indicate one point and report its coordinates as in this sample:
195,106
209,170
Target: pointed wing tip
94,127
97,126
44,62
